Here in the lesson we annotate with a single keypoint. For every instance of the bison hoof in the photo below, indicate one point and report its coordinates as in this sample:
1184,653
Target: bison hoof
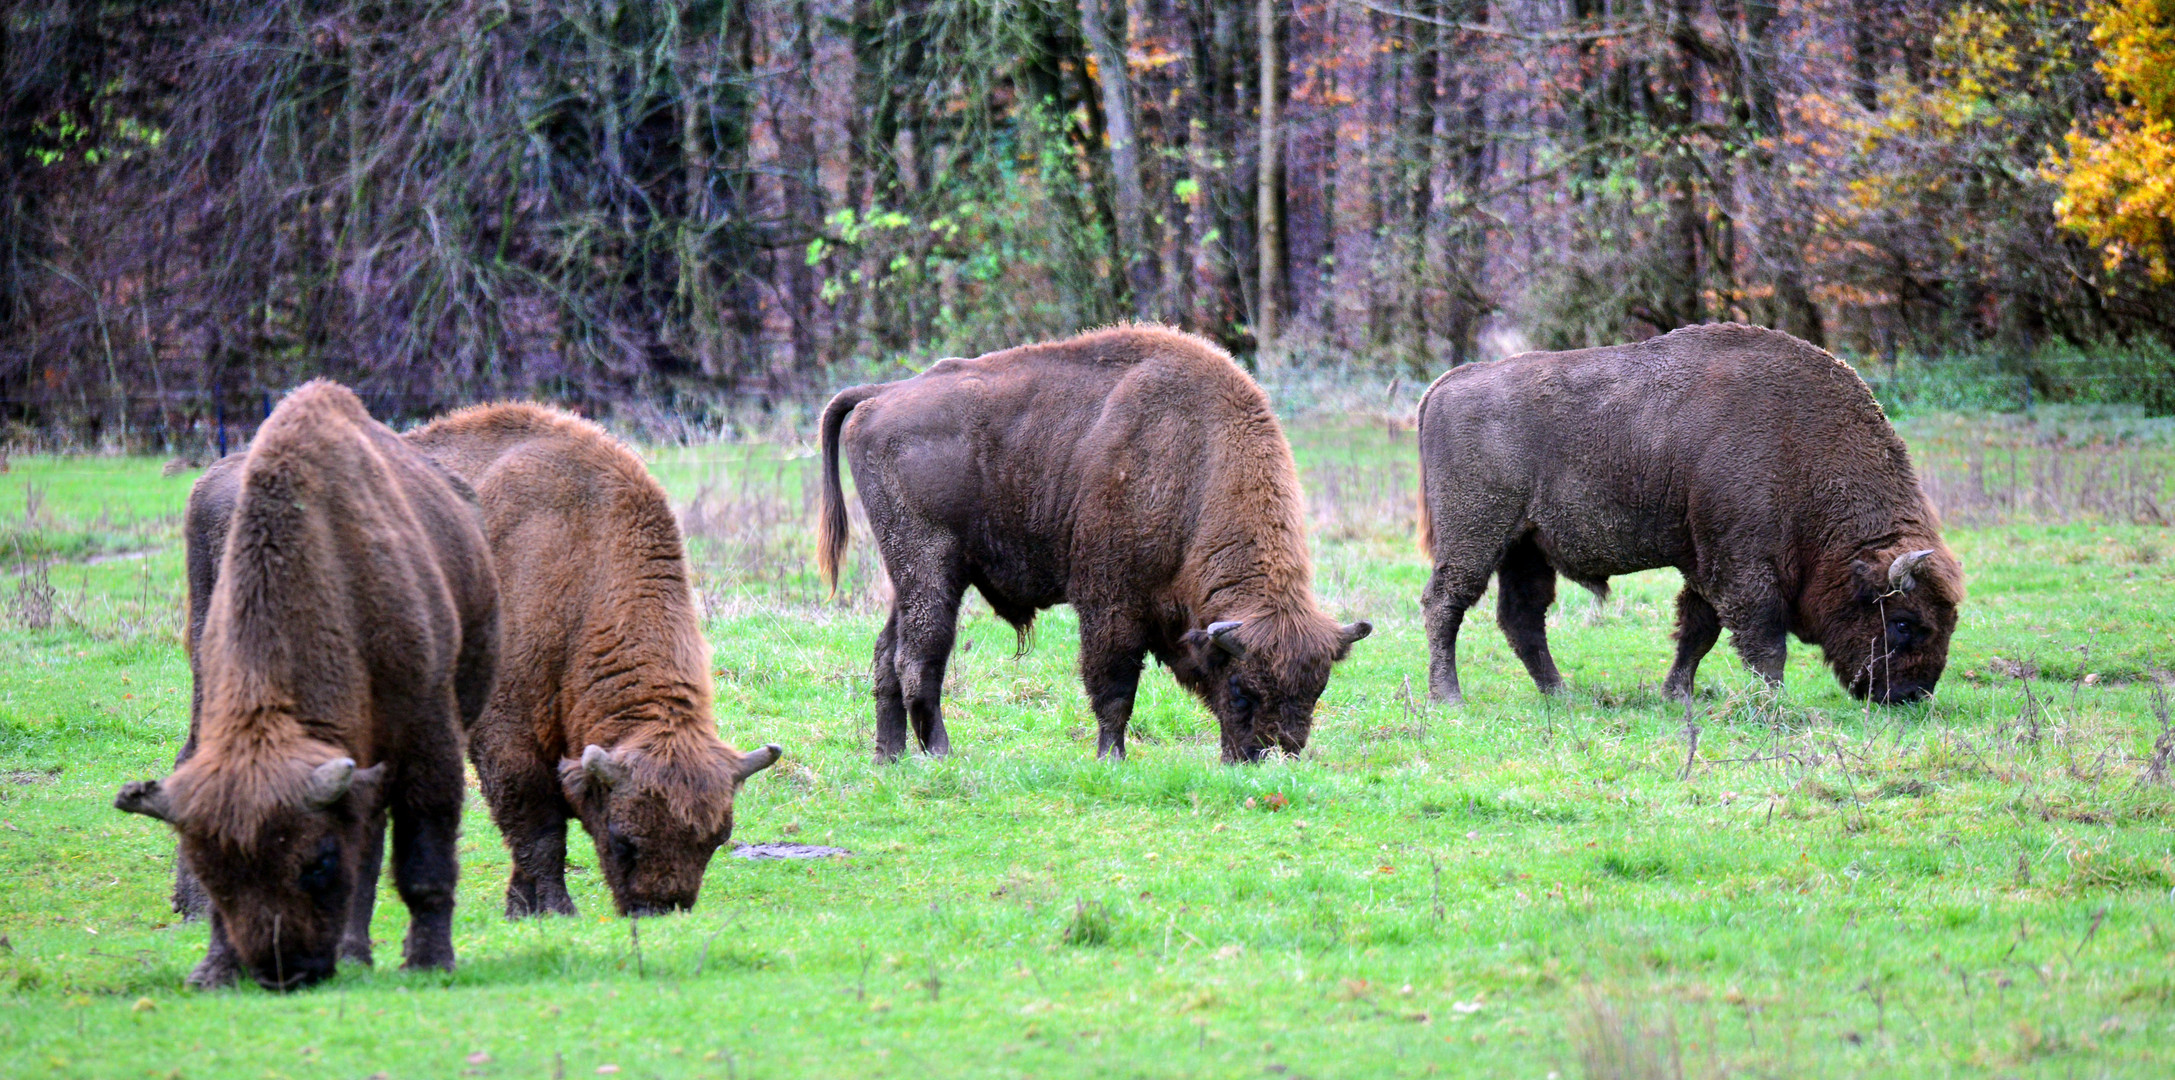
435,956
214,972
525,907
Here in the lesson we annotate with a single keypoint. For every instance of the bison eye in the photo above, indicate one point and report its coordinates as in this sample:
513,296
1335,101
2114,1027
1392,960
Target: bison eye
321,872
1900,632
622,847
1239,700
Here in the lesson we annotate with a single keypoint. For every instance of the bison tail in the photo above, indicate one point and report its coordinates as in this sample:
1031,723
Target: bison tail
1427,519
831,528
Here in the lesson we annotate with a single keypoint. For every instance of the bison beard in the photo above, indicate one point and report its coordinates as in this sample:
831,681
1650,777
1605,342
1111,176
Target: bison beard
1756,464
349,611
1135,473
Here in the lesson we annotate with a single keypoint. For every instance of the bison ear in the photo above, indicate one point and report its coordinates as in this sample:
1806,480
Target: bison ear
1350,633
328,783
146,797
755,761
1899,571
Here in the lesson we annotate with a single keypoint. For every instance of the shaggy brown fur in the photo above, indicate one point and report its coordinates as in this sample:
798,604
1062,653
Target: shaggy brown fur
352,622
1758,465
603,709
204,539
1135,473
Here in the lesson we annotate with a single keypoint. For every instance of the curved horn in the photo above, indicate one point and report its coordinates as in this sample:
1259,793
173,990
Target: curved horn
1899,571
146,797
755,761
328,782
1226,636
602,766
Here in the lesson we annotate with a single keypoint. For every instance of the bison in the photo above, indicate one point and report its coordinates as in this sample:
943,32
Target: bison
1756,464
1135,473
603,708
349,637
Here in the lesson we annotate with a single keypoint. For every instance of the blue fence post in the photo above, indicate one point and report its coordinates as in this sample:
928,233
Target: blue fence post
221,407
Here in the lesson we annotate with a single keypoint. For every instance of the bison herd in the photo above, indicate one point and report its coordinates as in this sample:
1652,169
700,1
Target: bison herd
509,581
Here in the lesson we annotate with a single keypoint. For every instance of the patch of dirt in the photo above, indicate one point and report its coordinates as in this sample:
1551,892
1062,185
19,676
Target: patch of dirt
787,851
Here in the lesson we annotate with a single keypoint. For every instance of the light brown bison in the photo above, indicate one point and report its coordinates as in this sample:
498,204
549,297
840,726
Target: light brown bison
603,707
1135,473
349,635
1756,464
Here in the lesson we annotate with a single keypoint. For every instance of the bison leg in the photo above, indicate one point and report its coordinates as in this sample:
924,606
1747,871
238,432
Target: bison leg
220,966
890,703
1526,586
1697,628
1450,591
926,618
1760,634
538,884
522,787
426,826
1111,655
189,899
355,942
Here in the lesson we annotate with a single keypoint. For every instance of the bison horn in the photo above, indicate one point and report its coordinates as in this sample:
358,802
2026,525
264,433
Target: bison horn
146,797
603,767
328,783
1226,636
1899,571
755,761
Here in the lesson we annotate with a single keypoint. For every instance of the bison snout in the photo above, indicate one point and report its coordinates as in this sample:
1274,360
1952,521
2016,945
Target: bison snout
1891,693
642,909
294,973
1903,692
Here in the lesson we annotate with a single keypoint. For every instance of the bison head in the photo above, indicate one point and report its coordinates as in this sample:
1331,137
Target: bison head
1262,677
657,814
278,850
1886,629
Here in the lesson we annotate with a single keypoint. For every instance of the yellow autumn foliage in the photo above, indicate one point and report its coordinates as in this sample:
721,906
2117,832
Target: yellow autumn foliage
2118,182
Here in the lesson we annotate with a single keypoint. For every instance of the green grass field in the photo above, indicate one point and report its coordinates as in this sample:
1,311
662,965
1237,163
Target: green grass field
1979,886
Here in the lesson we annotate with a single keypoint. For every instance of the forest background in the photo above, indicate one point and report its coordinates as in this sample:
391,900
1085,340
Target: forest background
673,209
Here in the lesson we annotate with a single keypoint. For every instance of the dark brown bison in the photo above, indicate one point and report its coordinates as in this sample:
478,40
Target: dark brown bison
349,635
1135,473
1756,464
602,709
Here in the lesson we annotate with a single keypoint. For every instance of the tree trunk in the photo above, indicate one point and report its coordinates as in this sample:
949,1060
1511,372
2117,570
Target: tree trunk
1268,187
1137,252
803,196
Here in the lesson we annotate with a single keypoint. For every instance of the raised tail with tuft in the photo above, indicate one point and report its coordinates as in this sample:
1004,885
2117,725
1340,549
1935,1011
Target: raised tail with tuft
831,527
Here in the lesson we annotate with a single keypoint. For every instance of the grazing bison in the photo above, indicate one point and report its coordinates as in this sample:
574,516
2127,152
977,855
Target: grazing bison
603,708
349,635
1756,464
1135,473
